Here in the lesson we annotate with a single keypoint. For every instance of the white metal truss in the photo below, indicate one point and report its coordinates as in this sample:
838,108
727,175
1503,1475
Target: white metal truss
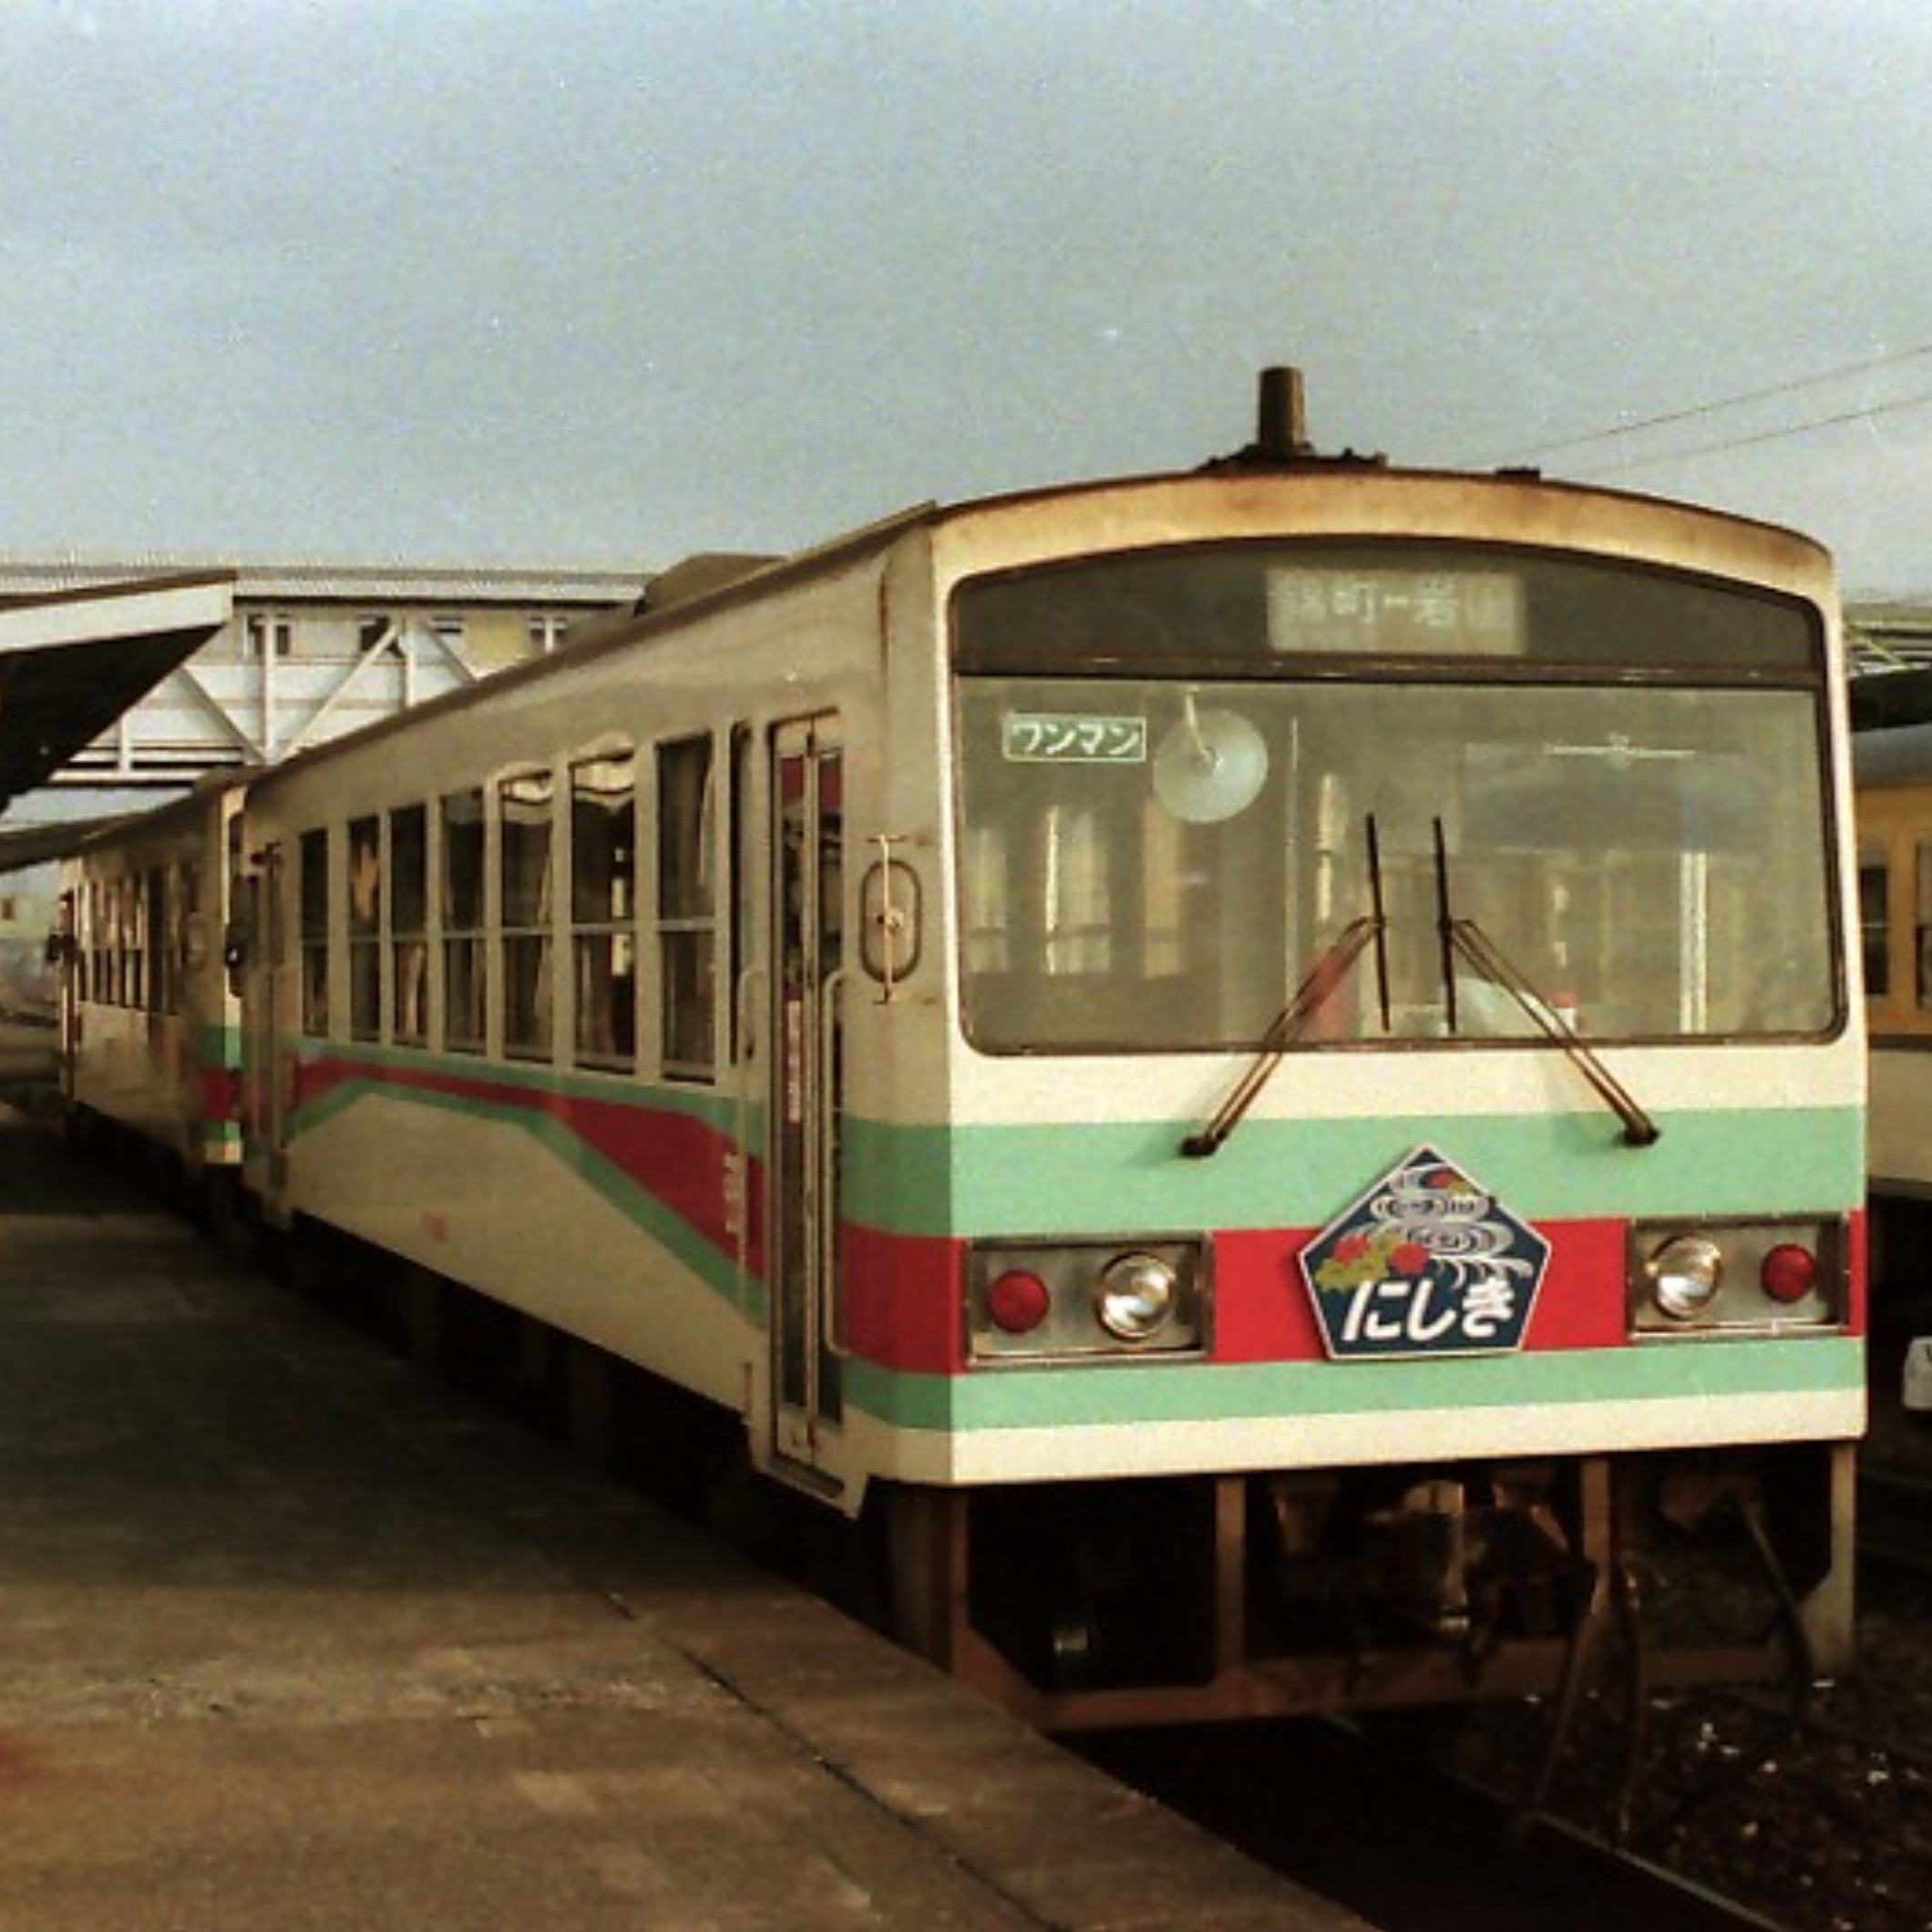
315,651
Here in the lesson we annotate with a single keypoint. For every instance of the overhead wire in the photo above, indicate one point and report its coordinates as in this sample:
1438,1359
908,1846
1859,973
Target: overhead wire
1862,415
1743,399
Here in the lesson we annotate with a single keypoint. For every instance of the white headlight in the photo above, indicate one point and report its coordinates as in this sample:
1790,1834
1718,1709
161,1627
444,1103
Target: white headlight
1685,1274
1136,1297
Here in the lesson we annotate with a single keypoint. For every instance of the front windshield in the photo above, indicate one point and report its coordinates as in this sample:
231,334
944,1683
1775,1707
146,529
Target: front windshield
1158,862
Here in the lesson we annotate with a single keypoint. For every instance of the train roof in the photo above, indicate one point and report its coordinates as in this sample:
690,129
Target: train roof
1884,701
711,583
1401,475
24,845
1897,755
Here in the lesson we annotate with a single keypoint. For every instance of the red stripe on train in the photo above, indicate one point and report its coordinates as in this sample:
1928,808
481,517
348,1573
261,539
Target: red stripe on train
680,1161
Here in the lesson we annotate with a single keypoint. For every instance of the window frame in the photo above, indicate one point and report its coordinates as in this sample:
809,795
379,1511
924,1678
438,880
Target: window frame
685,905
462,822
525,932
603,952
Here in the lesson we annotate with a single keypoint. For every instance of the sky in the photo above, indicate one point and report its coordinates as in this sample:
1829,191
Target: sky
608,282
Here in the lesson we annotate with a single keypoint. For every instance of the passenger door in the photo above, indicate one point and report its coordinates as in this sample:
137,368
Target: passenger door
268,1020
807,973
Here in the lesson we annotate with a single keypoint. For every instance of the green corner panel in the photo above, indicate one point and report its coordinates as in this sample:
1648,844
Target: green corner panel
218,1046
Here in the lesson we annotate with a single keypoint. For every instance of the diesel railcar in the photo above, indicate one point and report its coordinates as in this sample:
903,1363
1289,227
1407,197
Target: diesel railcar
1258,1068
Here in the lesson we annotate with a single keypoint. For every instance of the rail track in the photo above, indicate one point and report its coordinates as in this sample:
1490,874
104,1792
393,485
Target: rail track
1411,1847
1894,1524
1758,1807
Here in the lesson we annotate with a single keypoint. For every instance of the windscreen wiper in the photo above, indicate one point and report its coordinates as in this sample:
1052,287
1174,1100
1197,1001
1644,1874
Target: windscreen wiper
1464,937
1320,985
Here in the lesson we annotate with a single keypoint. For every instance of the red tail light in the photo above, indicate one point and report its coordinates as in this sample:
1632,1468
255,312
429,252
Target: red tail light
1017,1301
1790,1272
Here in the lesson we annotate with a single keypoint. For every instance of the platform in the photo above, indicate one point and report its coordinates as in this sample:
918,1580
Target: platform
292,1637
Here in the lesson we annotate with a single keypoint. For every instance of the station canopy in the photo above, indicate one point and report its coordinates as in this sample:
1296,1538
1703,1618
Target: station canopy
71,662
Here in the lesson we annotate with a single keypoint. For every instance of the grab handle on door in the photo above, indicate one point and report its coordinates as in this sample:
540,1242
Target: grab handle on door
831,1330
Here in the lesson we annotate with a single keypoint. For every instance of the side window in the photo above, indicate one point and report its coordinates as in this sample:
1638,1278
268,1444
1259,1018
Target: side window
153,940
127,912
134,980
1922,927
106,937
155,920
741,919
94,933
73,983
312,882
1874,879
73,927
409,923
364,900
109,940
187,933
465,983
604,909
523,816
686,908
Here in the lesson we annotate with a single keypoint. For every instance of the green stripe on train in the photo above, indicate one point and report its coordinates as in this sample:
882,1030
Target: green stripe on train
1067,1179
1072,1398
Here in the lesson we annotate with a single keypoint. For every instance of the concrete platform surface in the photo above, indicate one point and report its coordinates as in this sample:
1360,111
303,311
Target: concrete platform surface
292,1636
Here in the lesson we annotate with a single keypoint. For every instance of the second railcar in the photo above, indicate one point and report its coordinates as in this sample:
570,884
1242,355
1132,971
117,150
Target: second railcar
151,1041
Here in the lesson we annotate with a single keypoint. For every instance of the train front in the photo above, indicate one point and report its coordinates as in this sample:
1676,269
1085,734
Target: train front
1403,1098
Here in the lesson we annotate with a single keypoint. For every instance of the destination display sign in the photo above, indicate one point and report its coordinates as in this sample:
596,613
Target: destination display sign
1394,612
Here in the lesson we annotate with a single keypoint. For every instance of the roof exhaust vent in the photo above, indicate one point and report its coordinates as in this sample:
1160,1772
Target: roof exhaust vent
1282,420
1281,439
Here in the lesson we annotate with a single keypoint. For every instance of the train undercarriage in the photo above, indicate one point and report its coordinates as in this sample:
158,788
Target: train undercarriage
1241,1596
